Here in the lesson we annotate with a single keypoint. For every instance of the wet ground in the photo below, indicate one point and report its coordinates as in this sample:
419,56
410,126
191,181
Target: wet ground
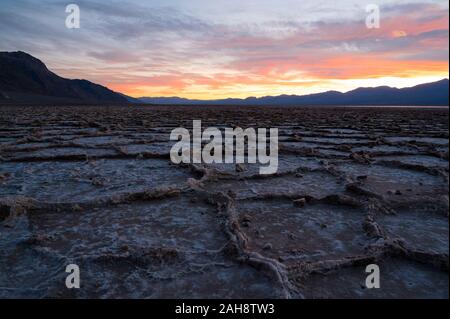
95,186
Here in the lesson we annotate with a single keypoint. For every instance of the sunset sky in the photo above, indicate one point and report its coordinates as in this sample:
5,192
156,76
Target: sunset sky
210,49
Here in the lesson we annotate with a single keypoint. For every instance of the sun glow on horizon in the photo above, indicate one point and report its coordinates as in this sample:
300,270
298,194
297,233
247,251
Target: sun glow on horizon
243,91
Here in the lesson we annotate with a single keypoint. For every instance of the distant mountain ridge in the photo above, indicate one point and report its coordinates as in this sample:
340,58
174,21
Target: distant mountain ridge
429,94
25,79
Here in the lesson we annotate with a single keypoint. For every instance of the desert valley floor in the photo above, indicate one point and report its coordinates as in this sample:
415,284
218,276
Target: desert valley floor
95,186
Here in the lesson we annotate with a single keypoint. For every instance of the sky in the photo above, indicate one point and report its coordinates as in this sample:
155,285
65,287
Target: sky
210,49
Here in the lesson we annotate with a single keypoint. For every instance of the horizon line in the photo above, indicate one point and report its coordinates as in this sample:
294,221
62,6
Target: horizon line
283,94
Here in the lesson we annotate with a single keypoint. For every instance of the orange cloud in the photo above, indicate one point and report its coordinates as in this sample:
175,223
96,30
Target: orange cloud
409,45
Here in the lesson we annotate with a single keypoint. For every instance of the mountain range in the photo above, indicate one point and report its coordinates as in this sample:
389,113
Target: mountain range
26,79
429,94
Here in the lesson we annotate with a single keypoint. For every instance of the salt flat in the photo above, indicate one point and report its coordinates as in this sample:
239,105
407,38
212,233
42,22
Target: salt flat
94,186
